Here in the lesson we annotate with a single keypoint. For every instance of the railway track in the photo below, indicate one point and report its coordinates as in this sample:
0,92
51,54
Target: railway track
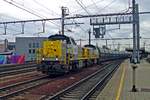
16,69
18,88
84,89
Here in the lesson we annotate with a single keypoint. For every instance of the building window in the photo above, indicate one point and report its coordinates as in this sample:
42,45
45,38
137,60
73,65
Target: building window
30,45
37,45
30,51
33,45
33,51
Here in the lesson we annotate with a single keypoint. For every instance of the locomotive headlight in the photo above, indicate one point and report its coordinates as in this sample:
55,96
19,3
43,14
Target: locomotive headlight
56,59
43,58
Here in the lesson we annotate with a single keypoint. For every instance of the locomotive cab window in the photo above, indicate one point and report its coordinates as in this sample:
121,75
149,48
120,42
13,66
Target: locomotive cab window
73,42
68,41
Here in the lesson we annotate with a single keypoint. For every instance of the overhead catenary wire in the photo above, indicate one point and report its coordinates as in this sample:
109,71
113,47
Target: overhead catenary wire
107,6
68,30
95,4
100,1
83,7
48,9
13,3
129,5
124,11
103,9
22,8
35,1
37,15
73,17
59,14
54,12
28,10
80,4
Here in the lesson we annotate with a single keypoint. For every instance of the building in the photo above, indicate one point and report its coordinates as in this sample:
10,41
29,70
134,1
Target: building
28,46
11,46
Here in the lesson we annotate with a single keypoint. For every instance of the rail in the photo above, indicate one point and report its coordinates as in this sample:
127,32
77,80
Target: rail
83,93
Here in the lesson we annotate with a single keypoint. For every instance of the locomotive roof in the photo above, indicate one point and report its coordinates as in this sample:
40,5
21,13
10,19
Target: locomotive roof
58,37
61,37
90,46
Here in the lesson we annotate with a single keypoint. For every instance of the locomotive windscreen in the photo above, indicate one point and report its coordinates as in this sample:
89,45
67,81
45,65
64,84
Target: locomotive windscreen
90,46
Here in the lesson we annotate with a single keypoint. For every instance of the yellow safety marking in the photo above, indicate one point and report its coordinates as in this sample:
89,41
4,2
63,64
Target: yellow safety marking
121,83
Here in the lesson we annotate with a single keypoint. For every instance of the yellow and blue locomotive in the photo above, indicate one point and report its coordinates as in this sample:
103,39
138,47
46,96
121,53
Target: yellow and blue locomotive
60,54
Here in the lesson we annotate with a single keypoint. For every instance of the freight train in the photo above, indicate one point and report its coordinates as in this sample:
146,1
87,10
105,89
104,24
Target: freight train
60,54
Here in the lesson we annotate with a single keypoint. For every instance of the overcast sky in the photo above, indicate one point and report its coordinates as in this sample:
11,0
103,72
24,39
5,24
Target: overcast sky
52,8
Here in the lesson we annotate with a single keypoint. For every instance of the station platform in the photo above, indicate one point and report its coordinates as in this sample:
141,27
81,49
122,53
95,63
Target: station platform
120,85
